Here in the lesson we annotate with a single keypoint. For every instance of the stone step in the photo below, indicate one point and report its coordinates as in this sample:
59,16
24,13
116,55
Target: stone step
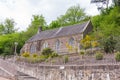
26,78
22,76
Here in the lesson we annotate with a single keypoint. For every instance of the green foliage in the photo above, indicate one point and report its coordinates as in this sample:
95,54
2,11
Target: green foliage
86,42
7,27
117,56
34,55
54,55
109,45
7,43
26,54
82,53
66,59
54,24
108,23
117,47
32,59
73,15
43,57
105,25
36,22
69,47
116,2
47,51
99,56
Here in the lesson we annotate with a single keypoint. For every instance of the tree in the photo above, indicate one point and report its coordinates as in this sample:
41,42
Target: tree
7,27
1,28
73,15
116,2
54,24
36,22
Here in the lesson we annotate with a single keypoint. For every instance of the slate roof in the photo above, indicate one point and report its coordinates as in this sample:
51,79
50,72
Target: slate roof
62,31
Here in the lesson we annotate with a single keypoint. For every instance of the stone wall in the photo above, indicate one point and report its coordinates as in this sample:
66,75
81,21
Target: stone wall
51,43
72,72
108,71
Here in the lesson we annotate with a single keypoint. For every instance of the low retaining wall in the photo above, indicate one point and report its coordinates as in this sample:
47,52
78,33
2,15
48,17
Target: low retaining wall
72,72
106,71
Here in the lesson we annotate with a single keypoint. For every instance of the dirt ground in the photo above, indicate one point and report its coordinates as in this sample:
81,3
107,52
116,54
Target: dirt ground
1,78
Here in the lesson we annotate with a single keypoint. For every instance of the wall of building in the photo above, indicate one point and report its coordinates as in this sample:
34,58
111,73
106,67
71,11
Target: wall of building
51,43
63,42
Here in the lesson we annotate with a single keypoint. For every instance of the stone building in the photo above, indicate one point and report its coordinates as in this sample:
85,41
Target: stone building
58,39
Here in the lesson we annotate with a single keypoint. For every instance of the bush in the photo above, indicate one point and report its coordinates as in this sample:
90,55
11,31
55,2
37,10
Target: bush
82,54
43,57
34,55
99,56
117,56
47,51
109,44
66,59
54,55
33,59
26,54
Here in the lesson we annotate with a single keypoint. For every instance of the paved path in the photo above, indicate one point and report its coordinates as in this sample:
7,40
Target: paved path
1,78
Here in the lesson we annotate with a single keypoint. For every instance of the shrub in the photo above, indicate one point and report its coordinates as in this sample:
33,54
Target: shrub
109,44
82,54
34,55
54,55
99,56
117,56
66,59
33,60
47,51
26,54
43,57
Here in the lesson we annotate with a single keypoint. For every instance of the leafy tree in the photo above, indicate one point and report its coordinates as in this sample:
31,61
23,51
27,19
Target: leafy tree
7,27
54,24
7,45
116,2
73,15
36,22
1,28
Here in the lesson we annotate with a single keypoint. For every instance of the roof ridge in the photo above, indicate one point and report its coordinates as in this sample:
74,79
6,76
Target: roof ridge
61,31
58,31
65,26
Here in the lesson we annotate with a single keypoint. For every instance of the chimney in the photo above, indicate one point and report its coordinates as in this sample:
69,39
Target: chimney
39,29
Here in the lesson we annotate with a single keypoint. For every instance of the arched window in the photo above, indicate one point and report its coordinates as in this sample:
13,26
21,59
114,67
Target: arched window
45,45
57,45
71,41
32,49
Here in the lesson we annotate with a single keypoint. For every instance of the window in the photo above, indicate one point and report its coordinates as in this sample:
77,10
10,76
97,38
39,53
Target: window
57,45
32,49
45,45
71,41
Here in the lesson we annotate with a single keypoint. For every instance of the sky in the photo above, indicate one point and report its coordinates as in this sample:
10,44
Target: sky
22,10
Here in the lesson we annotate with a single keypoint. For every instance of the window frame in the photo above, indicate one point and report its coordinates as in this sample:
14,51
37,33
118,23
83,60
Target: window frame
71,41
57,45
45,45
32,48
